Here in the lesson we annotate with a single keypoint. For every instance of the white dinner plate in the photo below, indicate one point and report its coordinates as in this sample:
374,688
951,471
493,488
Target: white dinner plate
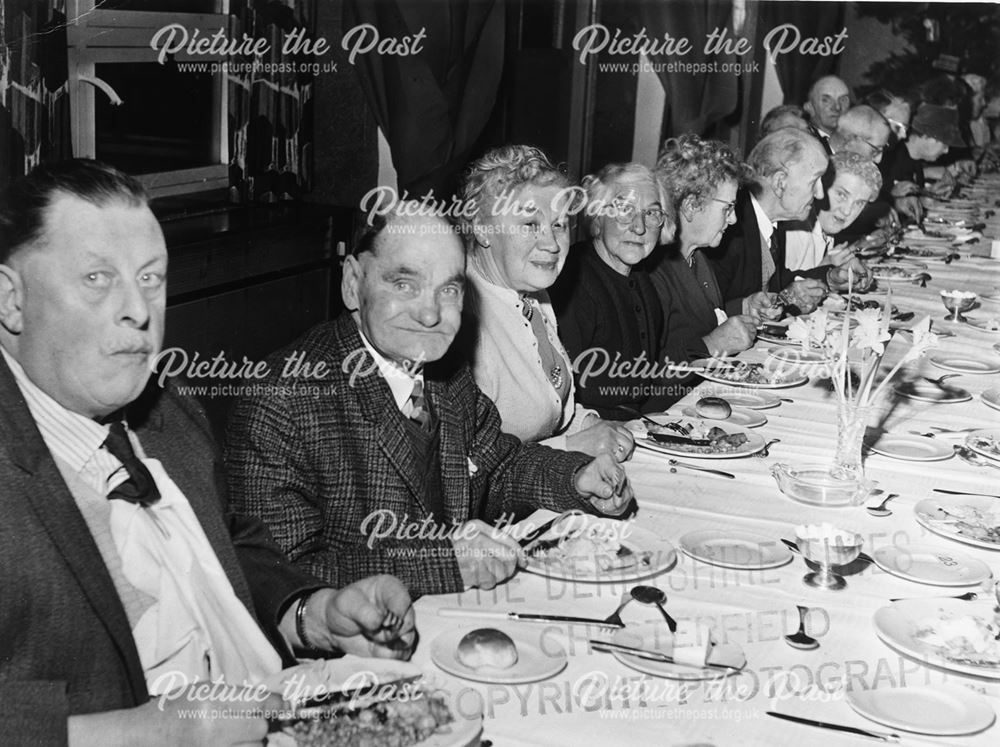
985,441
759,400
657,637
744,418
912,448
993,295
785,381
752,445
987,324
965,364
796,355
536,659
659,555
924,391
943,710
332,675
735,549
904,626
929,564
969,519
992,398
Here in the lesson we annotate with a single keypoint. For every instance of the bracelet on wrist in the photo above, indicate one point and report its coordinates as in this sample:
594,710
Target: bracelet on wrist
300,623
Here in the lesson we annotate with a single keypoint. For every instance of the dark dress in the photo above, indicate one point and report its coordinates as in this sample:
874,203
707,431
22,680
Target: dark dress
692,294
614,328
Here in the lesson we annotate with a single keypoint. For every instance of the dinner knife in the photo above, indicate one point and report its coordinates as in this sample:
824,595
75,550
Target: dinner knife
882,736
965,492
371,693
642,653
719,472
524,617
794,547
534,534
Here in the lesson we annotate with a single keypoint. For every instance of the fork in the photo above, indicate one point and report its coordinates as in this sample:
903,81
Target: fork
766,451
615,618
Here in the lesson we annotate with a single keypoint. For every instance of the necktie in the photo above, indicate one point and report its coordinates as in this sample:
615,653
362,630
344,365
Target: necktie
418,407
139,487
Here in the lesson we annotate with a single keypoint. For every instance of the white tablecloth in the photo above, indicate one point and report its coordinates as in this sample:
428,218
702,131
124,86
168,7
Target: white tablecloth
755,609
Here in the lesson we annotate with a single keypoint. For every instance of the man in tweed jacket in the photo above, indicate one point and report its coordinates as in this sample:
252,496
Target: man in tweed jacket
336,465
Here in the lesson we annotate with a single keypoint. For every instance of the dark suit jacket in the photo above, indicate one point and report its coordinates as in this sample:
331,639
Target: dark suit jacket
317,465
737,259
65,642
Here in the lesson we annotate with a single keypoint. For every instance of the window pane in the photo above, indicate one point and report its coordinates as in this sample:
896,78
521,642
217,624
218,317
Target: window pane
165,122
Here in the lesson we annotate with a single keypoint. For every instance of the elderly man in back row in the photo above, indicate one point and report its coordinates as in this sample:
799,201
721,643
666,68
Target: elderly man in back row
402,462
786,169
828,98
121,576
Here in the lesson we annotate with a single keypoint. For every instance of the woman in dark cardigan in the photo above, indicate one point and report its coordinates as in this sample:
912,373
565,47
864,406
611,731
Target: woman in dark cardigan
701,178
610,317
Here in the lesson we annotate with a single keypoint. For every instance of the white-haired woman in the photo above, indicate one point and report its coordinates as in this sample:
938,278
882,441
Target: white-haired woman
609,313
516,209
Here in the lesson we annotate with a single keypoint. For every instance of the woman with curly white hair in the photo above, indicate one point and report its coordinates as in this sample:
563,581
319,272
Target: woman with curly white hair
610,316
516,210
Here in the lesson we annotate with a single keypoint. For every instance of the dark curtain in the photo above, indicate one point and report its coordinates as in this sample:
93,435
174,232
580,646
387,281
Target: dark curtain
694,102
270,111
797,72
432,106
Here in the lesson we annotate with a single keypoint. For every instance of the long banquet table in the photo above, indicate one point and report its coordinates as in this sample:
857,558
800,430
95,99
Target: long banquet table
755,608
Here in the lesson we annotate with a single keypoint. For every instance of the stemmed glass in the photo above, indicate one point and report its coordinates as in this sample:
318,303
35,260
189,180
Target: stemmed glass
827,546
957,302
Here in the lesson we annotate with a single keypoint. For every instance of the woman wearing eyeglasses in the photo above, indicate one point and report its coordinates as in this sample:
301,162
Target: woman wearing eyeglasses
701,177
516,208
610,317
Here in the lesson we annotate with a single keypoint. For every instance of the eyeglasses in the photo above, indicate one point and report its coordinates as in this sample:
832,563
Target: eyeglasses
624,214
730,206
876,149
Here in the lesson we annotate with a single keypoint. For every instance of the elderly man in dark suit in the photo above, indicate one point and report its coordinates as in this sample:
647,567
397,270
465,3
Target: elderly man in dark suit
786,168
122,577
399,465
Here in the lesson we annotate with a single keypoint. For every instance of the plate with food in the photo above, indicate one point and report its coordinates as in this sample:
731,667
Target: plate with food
967,364
797,356
922,390
701,438
737,416
751,400
356,701
501,656
691,648
896,273
911,448
952,634
599,549
735,549
991,398
750,375
942,710
928,564
969,519
985,441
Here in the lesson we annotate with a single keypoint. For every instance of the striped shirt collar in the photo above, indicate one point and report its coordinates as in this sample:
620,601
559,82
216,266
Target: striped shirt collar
70,436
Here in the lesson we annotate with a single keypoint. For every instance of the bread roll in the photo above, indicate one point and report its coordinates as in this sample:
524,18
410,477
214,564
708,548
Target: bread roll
487,648
714,408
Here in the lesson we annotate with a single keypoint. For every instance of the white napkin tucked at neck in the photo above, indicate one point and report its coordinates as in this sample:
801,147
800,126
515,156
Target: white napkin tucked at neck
198,630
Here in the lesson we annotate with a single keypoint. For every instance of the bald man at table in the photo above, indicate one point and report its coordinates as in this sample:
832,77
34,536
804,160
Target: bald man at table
123,578
399,465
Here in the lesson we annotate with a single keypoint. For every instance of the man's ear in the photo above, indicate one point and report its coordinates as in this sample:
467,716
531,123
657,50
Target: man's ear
350,283
11,300
808,109
778,180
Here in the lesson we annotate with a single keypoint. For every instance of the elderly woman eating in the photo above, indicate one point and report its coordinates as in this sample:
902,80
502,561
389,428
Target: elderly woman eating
701,177
517,205
611,318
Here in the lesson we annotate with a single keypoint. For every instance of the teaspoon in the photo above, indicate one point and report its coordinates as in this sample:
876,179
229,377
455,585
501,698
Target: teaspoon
801,639
880,509
652,595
